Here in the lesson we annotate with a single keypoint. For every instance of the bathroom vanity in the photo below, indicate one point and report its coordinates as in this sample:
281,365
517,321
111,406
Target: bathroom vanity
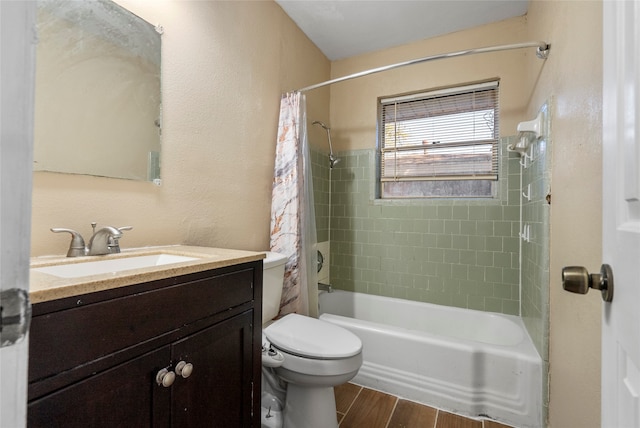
169,346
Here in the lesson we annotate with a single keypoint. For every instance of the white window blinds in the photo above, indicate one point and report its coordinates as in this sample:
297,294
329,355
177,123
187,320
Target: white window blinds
449,134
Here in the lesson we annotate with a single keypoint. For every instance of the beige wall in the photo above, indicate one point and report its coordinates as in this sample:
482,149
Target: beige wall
225,65
353,103
573,77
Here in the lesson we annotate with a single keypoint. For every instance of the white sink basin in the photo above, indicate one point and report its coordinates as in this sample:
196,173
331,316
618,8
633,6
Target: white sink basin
112,266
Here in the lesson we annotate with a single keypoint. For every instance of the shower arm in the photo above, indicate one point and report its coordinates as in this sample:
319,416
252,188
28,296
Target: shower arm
332,158
542,53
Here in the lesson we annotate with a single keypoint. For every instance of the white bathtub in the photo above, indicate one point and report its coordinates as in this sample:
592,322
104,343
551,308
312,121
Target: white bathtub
474,363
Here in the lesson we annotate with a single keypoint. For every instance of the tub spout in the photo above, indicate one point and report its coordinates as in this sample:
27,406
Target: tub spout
325,287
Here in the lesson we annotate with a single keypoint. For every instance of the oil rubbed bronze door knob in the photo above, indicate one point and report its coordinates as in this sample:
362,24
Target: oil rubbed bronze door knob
577,279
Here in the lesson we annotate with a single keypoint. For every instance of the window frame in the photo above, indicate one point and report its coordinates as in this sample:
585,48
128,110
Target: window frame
480,149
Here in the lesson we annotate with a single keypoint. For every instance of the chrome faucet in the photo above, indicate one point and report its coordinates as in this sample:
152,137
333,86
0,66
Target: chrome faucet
104,241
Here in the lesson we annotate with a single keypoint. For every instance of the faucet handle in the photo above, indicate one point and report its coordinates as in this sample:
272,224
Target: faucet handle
113,242
77,246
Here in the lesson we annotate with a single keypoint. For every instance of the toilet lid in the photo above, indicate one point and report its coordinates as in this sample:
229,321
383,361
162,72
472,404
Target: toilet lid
312,338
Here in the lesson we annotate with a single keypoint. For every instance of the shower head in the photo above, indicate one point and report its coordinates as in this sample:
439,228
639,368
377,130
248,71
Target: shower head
317,122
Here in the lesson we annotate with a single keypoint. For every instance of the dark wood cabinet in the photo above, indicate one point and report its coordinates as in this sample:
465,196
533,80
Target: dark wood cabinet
94,359
216,394
119,396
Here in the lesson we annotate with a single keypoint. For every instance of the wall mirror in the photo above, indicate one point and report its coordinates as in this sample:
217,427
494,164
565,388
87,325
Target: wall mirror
98,102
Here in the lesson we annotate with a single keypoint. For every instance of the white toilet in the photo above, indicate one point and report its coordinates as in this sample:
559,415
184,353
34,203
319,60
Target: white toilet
310,356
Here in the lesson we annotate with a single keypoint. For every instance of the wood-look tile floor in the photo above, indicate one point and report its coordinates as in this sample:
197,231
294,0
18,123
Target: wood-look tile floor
360,407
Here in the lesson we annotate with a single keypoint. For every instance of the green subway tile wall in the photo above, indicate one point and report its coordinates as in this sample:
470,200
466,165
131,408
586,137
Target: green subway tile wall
536,182
454,252
457,252
535,252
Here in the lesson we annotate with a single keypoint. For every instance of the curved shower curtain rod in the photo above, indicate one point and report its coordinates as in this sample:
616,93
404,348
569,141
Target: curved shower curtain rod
542,53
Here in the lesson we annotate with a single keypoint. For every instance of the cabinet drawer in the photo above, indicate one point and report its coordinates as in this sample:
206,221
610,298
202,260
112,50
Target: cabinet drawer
67,339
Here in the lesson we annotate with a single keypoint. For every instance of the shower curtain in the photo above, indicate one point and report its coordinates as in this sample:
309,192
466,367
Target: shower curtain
293,228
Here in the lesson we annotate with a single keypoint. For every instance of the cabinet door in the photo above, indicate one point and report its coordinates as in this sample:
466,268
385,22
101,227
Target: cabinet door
124,396
218,393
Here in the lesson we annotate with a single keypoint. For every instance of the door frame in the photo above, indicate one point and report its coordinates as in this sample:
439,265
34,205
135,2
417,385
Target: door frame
17,85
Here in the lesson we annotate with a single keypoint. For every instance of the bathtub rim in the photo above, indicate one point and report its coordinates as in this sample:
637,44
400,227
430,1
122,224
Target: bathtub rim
526,342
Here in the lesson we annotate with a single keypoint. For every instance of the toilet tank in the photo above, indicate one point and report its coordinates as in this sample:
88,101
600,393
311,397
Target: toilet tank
272,281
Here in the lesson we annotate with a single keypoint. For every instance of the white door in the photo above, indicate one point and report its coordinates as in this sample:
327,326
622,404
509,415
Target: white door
17,70
621,213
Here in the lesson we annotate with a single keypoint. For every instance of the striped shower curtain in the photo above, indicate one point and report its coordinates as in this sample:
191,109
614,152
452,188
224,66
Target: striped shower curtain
293,229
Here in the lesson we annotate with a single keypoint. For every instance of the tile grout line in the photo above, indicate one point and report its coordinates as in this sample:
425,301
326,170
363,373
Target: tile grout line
351,405
392,412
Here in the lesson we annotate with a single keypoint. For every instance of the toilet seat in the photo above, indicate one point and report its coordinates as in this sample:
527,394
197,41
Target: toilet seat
316,372
311,338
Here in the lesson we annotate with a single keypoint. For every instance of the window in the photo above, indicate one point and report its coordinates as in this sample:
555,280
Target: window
442,143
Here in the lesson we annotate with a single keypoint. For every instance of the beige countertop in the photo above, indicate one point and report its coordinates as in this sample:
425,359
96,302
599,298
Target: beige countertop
44,287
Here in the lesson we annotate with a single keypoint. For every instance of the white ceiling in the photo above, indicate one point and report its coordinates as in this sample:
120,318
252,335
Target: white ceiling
345,28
